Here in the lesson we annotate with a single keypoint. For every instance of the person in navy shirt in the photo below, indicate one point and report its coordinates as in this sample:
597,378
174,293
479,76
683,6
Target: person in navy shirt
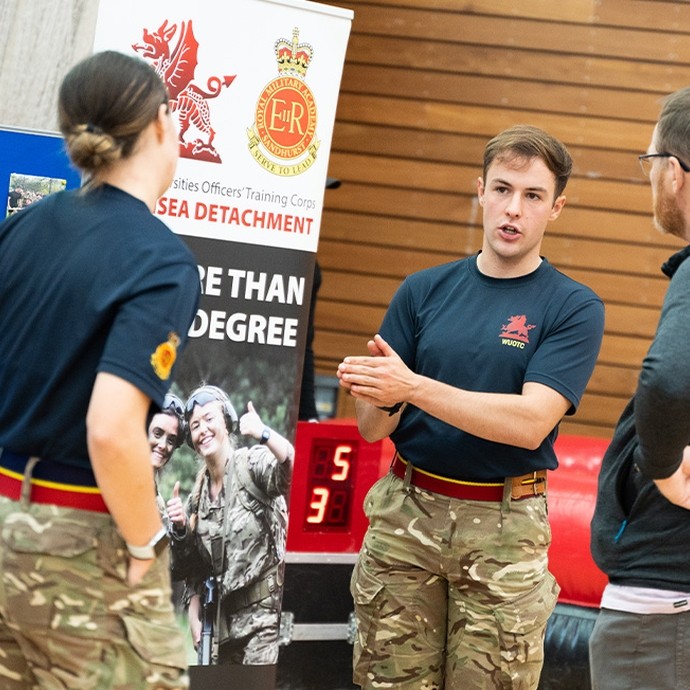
641,524
96,299
475,364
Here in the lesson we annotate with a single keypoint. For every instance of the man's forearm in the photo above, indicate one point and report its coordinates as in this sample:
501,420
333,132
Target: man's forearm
375,424
522,420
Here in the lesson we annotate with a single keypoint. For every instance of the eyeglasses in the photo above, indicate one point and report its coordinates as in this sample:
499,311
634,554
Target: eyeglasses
646,161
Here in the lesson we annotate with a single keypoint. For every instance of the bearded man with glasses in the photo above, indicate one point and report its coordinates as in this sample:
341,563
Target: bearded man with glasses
641,524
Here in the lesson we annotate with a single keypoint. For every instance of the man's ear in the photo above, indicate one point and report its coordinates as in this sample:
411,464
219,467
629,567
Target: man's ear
480,190
677,175
557,207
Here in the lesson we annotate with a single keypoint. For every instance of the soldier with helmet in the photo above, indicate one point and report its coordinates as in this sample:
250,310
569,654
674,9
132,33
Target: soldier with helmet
233,528
166,432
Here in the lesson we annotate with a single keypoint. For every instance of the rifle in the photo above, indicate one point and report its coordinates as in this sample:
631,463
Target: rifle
208,612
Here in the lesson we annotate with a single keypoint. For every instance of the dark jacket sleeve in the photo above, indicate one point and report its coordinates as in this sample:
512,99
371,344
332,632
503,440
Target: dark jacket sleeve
662,400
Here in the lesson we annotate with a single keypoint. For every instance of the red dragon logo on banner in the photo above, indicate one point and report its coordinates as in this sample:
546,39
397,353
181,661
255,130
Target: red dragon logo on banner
176,67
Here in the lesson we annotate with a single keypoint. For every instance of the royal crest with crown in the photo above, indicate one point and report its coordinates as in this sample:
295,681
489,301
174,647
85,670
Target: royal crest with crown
293,57
283,137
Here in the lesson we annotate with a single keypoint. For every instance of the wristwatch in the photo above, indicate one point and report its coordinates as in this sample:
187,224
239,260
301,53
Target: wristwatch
265,435
154,548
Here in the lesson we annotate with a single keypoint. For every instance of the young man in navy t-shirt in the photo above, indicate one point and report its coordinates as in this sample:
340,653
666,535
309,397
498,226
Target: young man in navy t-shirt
475,364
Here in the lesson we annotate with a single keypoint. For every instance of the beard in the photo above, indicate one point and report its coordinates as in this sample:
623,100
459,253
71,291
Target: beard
668,218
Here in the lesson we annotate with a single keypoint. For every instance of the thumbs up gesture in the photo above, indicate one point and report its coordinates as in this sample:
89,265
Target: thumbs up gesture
176,512
250,422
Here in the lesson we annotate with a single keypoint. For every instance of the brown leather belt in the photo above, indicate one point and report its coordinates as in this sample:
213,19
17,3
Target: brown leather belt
525,486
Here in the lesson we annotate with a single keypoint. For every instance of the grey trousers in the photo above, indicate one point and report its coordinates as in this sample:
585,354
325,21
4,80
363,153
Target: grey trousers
631,651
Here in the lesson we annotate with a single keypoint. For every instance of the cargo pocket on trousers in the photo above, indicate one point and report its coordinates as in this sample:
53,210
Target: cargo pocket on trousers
147,615
155,643
49,566
522,623
366,590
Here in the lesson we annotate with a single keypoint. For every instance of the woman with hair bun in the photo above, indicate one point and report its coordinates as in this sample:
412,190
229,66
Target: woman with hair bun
96,299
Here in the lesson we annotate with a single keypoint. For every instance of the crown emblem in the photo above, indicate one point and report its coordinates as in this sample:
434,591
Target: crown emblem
293,57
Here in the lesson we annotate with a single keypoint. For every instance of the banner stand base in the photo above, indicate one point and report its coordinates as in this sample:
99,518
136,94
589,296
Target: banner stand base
232,677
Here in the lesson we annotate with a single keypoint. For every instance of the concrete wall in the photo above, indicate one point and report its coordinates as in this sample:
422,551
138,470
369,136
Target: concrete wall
39,41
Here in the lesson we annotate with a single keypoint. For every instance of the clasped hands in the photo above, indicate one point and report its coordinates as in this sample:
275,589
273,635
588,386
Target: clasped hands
381,378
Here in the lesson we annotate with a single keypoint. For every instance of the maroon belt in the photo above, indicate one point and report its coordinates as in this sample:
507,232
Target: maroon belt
524,486
67,495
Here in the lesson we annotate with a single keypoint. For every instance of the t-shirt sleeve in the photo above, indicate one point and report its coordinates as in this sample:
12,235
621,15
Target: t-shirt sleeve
398,327
151,327
565,359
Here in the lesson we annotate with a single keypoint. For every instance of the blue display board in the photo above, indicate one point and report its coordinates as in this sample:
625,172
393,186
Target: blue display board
36,163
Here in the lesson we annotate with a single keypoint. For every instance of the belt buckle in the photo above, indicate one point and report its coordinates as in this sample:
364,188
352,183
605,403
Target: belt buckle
525,485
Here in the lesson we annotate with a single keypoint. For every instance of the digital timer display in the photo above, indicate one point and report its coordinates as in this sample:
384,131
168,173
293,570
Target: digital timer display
334,469
331,480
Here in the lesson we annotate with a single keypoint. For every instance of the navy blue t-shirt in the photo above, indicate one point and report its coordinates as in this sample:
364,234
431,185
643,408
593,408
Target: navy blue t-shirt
89,282
453,324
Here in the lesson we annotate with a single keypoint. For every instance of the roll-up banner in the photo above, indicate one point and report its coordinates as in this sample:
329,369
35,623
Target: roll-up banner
253,86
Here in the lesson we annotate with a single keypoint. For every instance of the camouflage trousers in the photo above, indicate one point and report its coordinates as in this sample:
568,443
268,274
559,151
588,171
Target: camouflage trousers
451,593
250,636
67,617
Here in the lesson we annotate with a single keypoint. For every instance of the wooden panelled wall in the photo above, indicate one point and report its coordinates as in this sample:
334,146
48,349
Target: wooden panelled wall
426,84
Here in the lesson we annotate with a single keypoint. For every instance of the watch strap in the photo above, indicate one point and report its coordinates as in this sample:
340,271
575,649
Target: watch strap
155,546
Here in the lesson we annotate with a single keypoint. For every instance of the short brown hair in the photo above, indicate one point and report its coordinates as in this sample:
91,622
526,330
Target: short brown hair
673,129
528,142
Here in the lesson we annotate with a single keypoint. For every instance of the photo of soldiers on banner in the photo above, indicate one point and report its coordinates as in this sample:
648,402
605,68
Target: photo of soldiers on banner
229,528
